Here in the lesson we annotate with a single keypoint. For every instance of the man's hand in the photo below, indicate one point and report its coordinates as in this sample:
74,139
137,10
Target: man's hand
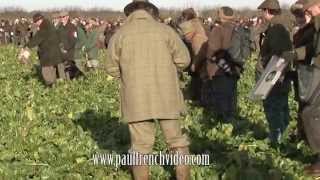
62,49
193,68
83,48
212,69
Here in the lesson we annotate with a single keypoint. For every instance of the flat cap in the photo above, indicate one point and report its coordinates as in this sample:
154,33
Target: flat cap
36,17
269,4
135,3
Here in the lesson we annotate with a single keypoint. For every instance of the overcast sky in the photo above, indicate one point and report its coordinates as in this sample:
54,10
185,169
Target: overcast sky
119,4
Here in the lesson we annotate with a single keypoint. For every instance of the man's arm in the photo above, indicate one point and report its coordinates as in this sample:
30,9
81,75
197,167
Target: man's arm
179,51
112,63
279,40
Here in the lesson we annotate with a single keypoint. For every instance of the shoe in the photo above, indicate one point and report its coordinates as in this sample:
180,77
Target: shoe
313,170
140,172
275,137
182,171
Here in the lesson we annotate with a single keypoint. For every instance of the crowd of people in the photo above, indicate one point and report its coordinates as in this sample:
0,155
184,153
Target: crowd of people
85,36
18,31
146,60
147,53
78,41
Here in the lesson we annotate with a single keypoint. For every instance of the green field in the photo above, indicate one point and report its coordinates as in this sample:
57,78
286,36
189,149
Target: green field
53,133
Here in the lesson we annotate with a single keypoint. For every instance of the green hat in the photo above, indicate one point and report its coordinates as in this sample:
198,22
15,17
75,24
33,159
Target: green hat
135,3
308,3
269,4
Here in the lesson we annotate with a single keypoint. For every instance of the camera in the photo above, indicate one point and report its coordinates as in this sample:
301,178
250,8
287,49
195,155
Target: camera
224,65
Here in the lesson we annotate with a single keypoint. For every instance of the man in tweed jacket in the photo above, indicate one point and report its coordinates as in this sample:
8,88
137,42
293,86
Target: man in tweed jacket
147,55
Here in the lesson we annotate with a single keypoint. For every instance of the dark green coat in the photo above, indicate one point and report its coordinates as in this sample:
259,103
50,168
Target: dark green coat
47,40
87,44
68,39
311,111
313,45
304,37
276,39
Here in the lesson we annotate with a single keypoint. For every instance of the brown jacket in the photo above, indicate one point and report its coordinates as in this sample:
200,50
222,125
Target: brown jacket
146,55
219,39
195,34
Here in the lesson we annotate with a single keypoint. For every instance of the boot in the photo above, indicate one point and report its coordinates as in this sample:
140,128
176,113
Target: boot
140,172
182,171
313,169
